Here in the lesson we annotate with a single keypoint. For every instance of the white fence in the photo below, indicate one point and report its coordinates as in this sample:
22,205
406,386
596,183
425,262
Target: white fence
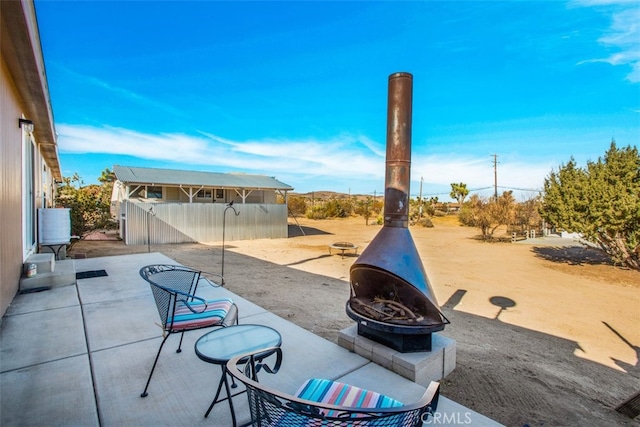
196,222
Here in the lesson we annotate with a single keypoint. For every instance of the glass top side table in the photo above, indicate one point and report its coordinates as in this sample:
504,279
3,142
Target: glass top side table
222,344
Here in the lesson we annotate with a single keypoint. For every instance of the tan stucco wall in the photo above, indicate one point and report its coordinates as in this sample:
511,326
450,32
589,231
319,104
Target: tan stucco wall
23,94
12,250
10,190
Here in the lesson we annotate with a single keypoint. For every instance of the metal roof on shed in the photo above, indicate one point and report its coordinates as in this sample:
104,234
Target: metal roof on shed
155,176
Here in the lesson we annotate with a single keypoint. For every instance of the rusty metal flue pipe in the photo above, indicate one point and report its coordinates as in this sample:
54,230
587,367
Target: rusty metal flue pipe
398,160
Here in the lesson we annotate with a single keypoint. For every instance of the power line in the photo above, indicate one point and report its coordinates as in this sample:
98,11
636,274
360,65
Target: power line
479,189
473,190
449,193
521,189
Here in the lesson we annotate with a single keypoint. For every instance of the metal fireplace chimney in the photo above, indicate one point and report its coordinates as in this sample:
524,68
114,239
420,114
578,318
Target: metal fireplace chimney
391,297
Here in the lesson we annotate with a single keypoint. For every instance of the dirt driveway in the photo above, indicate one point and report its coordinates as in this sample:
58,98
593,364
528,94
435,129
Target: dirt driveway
547,332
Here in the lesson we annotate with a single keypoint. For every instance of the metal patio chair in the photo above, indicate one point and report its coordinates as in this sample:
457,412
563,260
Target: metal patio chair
174,290
320,402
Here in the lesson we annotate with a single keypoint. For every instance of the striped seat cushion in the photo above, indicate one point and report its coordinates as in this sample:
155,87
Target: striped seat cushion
336,393
214,314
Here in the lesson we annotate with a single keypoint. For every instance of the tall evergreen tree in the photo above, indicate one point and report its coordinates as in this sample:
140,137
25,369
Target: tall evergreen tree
601,202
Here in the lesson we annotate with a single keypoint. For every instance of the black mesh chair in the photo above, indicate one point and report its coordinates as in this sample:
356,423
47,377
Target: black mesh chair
320,402
174,290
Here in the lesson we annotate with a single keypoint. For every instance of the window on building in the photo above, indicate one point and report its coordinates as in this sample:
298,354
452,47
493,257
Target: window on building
154,192
28,193
219,193
204,194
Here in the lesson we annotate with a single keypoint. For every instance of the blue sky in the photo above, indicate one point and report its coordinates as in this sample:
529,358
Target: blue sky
298,90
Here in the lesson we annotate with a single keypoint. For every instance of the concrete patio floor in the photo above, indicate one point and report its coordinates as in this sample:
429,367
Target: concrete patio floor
79,355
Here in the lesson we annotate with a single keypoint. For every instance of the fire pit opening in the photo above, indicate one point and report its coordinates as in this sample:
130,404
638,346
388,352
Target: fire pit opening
391,300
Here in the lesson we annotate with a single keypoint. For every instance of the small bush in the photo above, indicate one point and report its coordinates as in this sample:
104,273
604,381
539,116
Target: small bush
297,206
332,208
425,222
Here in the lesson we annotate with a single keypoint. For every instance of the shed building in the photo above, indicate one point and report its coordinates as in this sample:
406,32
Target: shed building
175,206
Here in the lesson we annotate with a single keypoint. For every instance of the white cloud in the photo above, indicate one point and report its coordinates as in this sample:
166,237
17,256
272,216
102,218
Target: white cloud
623,36
337,157
603,2
333,164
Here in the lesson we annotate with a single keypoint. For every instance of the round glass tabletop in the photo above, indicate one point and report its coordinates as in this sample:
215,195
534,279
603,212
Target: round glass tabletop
222,344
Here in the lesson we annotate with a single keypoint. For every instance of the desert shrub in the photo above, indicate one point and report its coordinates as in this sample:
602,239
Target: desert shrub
335,208
420,208
316,212
332,208
488,214
89,205
527,216
297,206
424,222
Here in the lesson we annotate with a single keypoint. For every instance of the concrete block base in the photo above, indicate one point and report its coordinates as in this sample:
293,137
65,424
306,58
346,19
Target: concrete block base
61,273
419,367
45,263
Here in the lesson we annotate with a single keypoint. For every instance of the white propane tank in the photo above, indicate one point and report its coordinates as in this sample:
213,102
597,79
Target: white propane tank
54,226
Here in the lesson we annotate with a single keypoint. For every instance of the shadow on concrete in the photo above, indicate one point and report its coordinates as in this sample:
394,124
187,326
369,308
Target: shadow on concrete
297,231
302,261
454,299
572,255
626,366
503,302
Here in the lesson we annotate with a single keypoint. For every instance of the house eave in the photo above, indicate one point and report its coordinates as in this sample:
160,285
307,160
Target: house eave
22,52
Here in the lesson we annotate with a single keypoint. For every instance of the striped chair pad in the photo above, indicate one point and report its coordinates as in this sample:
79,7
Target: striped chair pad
185,319
336,393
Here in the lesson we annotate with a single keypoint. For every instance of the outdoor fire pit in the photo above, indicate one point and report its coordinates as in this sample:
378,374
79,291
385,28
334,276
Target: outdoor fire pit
391,297
342,247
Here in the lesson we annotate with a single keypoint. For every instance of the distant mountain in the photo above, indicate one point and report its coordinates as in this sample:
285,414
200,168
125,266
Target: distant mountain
325,195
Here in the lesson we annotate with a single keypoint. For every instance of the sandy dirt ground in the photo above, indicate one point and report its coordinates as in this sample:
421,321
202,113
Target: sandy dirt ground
547,331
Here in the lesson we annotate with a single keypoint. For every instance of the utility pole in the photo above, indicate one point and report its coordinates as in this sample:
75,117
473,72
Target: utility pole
495,175
420,208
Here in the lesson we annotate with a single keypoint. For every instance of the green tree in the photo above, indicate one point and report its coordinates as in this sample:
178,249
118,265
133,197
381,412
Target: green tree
365,208
459,192
90,205
104,193
601,202
107,177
